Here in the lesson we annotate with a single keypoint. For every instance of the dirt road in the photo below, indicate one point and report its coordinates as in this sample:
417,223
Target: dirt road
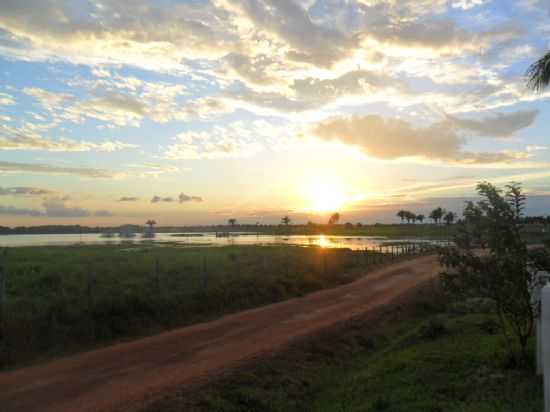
128,376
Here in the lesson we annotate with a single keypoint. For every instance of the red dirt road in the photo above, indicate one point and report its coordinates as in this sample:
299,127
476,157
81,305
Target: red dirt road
128,376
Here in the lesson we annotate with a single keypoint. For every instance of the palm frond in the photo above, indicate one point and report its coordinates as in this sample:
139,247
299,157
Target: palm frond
539,73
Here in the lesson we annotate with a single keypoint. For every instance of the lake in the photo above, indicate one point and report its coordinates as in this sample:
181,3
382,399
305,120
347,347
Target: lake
208,239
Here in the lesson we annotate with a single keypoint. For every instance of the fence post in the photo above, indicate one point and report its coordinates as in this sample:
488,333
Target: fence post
157,273
204,275
545,343
3,294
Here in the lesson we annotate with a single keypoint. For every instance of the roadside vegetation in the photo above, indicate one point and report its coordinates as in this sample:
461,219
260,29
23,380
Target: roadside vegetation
432,353
63,299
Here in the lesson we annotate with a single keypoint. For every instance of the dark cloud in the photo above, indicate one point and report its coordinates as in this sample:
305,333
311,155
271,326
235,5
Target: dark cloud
185,198
15,211
57,208
103,213
24,191
499,125
54,207
158,199
182,198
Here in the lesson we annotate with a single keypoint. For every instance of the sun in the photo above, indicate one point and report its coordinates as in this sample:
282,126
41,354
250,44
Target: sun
325,195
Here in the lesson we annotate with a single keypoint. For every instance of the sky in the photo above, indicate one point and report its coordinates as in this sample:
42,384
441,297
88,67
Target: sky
197,111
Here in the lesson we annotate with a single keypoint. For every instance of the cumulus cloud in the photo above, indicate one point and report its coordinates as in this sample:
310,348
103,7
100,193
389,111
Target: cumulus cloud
292,25
45,169
391,139
499,125
139,33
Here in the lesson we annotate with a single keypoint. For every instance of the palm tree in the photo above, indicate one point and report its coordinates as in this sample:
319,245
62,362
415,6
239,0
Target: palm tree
420,218
286,220
334,218
538,74
232,222
150,223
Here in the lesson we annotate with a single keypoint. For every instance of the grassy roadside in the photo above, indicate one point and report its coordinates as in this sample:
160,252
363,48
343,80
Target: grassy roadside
418,356
65,299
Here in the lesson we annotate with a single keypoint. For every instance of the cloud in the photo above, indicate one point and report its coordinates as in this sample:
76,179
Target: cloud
26,139
128,199
235,140
24,191
182,198
501,125
158,199
57,208
117,108
103,213
44,169
291,24
15,211
134,101
391,139
185,198
468,4
138,33
54,208
6,99
49,100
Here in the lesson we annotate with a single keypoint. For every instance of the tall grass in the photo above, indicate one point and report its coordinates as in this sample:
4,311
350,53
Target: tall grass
62,299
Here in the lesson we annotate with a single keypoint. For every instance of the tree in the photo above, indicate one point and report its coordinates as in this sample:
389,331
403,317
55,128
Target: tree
437,214
515,198
232,222
504,272
402,214
420,218
449,218
538,74
410,216
150,223
334,218
286,220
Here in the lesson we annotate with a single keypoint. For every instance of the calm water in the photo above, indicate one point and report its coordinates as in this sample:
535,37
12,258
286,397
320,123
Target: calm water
206,239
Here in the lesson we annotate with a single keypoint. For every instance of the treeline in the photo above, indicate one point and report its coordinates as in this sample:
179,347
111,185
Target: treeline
437,215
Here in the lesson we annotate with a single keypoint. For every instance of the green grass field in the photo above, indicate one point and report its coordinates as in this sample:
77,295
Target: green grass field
63,299
426,357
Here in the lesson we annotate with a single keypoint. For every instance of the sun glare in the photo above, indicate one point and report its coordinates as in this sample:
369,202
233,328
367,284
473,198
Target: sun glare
325,196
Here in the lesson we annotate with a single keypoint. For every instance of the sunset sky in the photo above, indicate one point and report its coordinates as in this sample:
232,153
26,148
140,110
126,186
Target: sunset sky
195,111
